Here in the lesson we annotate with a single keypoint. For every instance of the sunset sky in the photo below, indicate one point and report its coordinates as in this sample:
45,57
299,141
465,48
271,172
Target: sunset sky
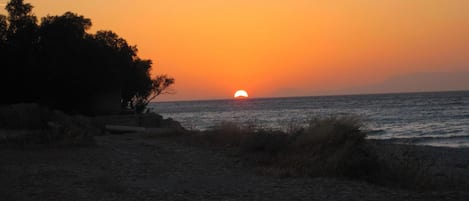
275,48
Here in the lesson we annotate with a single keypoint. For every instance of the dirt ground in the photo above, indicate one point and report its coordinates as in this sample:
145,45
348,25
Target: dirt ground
136,167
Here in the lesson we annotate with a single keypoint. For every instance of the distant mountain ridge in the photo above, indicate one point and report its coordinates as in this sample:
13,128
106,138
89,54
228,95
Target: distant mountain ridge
417,82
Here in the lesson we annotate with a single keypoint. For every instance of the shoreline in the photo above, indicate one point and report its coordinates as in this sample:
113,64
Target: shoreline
450,142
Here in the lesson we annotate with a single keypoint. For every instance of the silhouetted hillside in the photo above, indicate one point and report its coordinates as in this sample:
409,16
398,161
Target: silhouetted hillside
418,82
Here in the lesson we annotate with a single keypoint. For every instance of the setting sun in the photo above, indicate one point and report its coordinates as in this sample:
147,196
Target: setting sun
241,94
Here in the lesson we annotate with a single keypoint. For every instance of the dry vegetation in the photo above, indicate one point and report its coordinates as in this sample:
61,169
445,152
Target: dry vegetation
333,146
326,147
330,147
30,124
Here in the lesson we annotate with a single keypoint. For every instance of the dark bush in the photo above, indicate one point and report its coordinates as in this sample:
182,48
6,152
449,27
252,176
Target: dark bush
270,142
154,120
23,116
25,124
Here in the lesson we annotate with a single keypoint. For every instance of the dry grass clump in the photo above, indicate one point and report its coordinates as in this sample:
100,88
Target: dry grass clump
268,142
333,146
228,134
31,124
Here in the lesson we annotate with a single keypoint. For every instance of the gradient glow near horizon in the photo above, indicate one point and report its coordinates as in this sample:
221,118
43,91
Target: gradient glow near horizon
282,48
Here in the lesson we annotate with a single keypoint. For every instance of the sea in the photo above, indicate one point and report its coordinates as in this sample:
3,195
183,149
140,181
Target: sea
428,118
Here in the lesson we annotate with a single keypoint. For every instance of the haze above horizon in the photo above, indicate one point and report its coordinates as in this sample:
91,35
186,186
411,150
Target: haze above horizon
276,48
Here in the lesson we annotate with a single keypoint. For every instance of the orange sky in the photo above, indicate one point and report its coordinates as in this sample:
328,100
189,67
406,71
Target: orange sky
282,48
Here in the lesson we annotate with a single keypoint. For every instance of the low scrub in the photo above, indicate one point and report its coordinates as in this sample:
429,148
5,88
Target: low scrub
333,146
154,120
31,124
24,116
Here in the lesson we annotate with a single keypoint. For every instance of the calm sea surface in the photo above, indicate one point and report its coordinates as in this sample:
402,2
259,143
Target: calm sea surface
438,119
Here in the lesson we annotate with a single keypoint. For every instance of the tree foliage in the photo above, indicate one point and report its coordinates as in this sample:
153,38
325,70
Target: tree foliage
3,29
159,85
59,64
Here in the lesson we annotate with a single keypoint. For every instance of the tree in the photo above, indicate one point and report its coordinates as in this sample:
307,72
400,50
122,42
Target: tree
138,89
161,84
119,57
4,62
22,23
18,66
58,64
3,30
69,25
68,58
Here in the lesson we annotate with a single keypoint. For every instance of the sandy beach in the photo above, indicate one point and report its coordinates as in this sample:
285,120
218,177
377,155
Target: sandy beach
234,100
152,167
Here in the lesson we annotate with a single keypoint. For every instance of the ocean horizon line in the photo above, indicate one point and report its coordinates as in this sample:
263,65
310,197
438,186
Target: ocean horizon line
310,96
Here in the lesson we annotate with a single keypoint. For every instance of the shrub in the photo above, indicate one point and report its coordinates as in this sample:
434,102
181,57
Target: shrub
330,132
333,146
153,120
23,116
228,134
32,124
263,141
71,130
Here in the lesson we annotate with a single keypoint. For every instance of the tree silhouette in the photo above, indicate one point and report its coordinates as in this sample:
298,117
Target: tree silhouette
57,63
159,85
19,54
23,23
66,58
3,29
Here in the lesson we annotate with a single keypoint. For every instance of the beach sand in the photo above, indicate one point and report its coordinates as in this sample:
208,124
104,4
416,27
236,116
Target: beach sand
139,167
